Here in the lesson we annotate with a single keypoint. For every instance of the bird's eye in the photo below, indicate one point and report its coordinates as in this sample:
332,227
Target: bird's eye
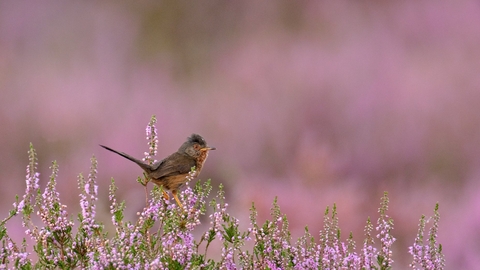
196,146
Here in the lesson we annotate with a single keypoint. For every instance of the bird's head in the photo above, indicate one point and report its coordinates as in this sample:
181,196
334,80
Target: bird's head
195,146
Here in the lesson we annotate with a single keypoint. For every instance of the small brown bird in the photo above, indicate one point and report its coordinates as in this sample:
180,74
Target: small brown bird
171,172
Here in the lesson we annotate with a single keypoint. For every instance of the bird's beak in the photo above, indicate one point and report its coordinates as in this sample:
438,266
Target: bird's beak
208,148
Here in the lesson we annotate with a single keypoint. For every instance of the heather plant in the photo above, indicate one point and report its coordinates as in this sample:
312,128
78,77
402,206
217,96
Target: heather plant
162,237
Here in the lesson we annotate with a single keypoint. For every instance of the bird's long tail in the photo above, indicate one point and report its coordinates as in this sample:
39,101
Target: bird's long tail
140,163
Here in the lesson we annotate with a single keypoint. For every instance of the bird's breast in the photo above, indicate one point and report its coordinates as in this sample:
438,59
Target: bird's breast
200,161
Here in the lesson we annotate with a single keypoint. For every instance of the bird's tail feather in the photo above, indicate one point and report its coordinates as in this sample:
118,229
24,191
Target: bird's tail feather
140,163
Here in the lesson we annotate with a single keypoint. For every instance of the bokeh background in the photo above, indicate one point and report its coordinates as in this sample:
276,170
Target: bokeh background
316,102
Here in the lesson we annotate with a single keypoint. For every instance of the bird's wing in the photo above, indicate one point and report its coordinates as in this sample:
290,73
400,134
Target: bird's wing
174,164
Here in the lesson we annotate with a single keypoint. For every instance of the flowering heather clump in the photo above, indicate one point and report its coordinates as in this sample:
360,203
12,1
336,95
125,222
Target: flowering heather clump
152,139
427,256
384,228
162,237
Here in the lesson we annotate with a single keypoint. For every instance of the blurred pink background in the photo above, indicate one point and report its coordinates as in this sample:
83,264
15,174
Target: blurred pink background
314,102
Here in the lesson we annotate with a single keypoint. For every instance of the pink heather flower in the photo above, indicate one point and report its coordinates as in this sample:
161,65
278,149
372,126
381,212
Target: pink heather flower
368,251
384,227
32,179
351,261
20,206
32,183
88,196
427,256
368,256
217,219
153,212
228,260
183,250
52,212
386,239
152,139
272,265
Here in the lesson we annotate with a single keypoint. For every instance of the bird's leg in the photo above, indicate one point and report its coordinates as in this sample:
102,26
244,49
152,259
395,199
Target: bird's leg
165,195
174,193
